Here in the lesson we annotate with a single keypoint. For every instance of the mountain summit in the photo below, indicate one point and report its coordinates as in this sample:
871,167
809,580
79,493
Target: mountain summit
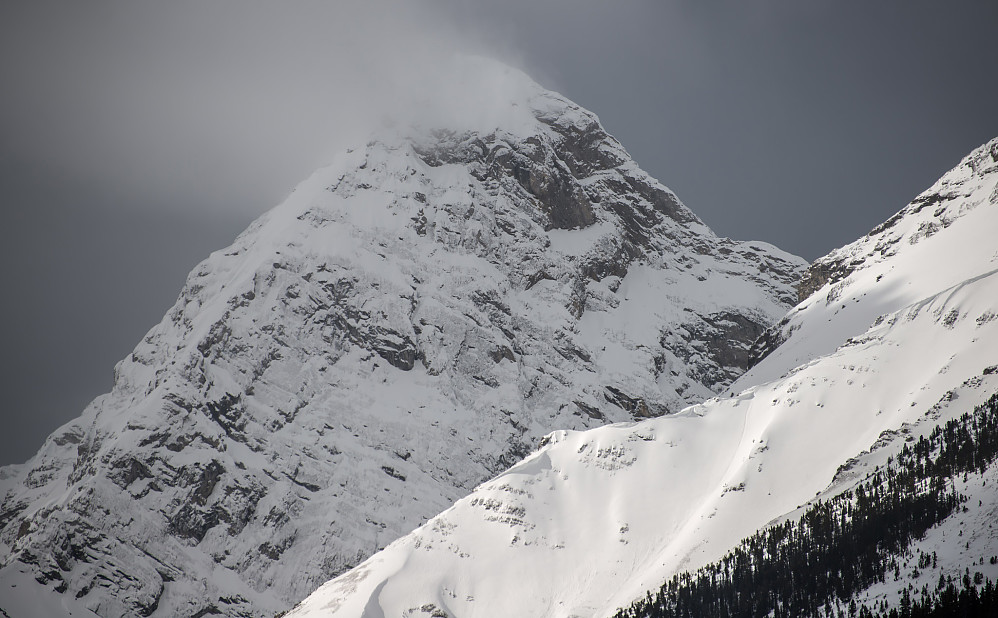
407,324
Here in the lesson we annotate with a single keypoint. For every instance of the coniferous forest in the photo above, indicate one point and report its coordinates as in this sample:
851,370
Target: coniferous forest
814,565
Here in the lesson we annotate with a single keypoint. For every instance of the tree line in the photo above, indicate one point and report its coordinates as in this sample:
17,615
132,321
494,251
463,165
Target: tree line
815,565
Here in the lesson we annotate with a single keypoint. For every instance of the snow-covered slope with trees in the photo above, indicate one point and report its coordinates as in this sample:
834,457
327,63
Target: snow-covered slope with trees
406,325
901,339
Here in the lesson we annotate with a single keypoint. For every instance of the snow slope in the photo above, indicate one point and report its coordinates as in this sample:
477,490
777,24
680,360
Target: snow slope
594,519
410,322
944,236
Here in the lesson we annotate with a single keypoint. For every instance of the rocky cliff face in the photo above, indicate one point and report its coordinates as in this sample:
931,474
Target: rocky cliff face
407,324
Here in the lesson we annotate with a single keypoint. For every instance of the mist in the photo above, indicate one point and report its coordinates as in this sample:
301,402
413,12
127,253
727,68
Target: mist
221,105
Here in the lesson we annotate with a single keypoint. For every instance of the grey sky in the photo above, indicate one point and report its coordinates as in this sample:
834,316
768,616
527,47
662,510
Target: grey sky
135,138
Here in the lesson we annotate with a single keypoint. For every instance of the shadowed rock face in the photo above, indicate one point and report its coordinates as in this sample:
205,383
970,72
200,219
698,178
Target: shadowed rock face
409,323
817,275
547,179
770,339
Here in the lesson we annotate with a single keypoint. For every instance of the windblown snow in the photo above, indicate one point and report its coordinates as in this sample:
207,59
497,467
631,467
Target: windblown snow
898,332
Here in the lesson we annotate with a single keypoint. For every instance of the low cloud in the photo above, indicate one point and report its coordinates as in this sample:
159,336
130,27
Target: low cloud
220,105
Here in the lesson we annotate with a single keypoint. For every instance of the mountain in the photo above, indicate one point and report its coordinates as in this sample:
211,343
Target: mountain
407,324
895,336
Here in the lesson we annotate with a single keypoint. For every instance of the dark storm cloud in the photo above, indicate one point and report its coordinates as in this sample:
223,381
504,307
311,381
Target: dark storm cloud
135,138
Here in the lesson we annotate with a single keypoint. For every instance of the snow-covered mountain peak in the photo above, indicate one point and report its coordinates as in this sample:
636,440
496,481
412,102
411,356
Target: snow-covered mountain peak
408,323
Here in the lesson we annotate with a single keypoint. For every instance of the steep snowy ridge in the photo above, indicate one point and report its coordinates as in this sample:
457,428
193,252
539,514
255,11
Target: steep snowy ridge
596,518
410,322
946,235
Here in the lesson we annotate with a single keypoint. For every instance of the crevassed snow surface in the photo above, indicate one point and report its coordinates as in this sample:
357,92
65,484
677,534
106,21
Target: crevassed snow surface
596,518
410,322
